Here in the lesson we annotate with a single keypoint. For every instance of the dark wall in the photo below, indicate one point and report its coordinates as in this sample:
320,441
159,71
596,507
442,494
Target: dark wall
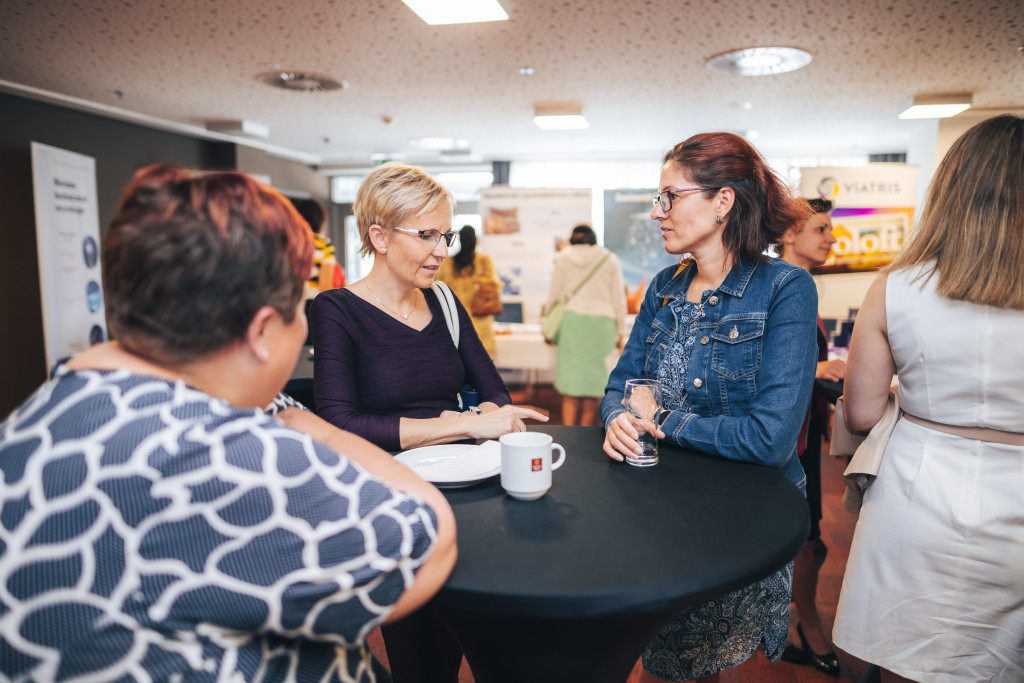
119,149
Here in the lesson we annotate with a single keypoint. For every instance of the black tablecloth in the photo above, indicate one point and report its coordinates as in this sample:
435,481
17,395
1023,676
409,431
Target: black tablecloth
611,539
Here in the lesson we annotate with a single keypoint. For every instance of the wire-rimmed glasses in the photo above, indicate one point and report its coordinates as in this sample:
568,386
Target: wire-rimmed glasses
432,237
664,199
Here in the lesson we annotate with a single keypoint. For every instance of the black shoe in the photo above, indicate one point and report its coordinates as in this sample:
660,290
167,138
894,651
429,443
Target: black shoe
827,664
794,654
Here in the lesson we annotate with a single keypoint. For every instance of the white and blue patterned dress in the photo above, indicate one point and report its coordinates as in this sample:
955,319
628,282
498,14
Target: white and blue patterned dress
149,532
724,631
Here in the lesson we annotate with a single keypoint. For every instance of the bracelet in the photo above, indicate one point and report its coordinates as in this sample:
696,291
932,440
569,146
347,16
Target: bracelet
474,409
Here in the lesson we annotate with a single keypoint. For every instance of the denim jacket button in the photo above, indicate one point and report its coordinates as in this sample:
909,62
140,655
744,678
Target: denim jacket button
697,382
713,301
705,339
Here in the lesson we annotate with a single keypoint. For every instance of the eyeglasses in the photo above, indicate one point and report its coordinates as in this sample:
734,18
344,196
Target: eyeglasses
664,199
432,237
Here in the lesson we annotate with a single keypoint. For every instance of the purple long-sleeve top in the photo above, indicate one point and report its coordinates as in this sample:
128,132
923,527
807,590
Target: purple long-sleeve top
370,370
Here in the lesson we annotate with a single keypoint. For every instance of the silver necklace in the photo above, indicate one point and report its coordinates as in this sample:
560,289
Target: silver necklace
403,316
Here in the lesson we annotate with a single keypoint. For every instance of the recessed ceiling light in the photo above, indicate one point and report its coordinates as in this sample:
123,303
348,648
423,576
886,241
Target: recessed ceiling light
304,81
526,71
759,61
934,106
239,127
436,12
559,116
439,143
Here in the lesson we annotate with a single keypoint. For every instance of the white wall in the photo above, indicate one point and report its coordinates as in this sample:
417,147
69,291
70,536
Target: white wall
840,292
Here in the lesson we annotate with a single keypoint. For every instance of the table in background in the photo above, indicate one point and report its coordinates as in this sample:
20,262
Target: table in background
524,350
571,587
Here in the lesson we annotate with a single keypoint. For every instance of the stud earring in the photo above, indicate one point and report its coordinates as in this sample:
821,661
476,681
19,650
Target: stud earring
718,219
264,354
383,251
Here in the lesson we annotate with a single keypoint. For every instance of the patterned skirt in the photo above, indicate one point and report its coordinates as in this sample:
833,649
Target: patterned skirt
723,632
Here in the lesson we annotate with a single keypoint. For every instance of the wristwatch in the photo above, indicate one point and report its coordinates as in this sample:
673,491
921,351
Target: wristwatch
474,409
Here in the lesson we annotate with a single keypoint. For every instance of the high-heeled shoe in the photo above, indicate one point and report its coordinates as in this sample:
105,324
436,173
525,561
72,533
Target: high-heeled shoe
827,664
794,654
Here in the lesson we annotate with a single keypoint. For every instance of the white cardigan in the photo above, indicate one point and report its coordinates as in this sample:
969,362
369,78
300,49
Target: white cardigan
603,295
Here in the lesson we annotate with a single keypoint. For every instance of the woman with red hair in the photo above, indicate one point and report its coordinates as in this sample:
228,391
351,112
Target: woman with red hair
157,523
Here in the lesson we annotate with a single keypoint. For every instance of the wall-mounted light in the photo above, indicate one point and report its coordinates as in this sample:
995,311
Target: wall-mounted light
436,12
559,116
935,106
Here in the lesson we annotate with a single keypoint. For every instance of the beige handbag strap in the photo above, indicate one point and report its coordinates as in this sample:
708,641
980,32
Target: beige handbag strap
977,433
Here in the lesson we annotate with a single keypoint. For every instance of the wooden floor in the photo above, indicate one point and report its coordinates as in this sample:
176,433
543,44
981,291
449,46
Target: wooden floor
837,531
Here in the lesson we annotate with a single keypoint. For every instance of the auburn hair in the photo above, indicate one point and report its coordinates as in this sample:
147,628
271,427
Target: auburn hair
764,207
190,257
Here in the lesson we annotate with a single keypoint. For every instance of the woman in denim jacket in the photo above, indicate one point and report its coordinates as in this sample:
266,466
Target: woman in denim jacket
732,338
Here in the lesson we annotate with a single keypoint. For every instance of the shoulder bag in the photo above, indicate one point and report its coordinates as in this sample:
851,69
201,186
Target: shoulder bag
553,318
486,300
451,315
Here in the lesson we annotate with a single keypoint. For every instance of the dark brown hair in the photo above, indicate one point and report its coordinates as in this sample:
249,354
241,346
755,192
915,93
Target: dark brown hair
191,257
311,210
467,249
764,207
972,223
583,234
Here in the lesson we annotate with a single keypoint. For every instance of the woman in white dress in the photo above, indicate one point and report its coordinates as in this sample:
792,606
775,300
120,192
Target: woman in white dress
934,587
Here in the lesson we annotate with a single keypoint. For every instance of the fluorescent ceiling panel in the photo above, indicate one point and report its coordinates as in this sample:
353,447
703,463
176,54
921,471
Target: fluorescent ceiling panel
937,107
436,12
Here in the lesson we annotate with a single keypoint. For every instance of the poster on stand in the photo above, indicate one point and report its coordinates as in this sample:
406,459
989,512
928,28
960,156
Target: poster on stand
635,237
522,230
873,212
68,238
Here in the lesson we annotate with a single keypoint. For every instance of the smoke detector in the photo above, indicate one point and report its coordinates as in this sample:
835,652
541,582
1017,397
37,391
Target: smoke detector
305,81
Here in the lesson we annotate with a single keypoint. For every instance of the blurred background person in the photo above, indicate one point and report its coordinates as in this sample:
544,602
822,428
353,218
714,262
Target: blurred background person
465,273
808,245
386,367
731,337
593,326
934,589
327,273
158,524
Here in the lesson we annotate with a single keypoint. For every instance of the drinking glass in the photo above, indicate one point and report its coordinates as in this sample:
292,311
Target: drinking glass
643,401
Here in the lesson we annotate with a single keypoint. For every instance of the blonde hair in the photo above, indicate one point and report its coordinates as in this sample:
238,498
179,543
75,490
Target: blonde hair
972,223
393,192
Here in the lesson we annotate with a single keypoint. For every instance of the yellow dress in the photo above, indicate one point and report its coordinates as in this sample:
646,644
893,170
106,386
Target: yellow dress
463,284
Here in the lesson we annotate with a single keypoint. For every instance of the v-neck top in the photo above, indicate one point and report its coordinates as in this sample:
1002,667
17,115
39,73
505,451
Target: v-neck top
371,369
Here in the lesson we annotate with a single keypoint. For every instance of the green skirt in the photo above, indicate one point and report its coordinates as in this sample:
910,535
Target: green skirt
584,342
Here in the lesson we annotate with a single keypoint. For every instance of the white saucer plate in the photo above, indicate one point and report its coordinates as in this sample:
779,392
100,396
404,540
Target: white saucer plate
453,465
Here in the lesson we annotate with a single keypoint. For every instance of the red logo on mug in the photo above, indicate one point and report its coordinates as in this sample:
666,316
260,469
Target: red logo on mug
535,464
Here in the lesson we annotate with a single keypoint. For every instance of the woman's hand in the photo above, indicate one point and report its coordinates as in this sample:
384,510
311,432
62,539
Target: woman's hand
832,370
498,421
620,439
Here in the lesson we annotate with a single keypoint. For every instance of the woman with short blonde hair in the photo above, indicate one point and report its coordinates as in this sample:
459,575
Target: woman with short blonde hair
390,193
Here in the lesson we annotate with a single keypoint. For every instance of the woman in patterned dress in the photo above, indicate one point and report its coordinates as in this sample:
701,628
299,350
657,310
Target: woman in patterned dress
157,523
731,337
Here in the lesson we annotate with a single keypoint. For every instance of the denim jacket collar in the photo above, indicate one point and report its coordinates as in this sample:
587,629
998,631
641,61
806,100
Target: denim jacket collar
734,284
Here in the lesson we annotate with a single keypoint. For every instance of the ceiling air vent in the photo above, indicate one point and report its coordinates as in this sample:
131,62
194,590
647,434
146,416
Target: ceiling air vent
301,80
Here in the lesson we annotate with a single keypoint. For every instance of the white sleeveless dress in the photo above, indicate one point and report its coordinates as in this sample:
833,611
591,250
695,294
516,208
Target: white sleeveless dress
934,587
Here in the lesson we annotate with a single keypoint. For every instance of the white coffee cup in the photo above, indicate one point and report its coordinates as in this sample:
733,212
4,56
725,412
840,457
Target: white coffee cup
526,464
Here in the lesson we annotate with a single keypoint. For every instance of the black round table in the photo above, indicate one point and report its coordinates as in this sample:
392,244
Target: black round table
571,587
